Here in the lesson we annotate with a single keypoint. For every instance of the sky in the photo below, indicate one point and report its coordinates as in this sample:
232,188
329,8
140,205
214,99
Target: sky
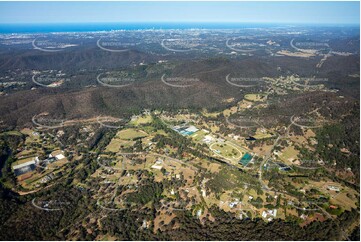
213,12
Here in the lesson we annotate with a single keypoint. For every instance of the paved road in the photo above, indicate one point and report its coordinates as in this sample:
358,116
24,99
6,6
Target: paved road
303,126
265,160
265,187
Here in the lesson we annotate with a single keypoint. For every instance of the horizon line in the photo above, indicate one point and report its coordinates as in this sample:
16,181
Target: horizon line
179,22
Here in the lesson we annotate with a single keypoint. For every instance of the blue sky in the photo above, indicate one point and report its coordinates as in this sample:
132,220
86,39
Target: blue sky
245,12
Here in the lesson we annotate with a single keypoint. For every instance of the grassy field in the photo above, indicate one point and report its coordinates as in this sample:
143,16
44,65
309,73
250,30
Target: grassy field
26,153
142,120
309,133
130,134
116,143
207,114
262,136
255,97
214,167
214,128
17,133
230,111
22,161
226,150
295,54
289,154
199,135
58,163
124,138
344,201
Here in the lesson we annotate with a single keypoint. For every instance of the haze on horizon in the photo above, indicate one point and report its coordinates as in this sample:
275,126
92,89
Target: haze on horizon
212,12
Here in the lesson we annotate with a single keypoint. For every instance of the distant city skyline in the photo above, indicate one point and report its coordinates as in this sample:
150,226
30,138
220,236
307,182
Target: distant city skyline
168,12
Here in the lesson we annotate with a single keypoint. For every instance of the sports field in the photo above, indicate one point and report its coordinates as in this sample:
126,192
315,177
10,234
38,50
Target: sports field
226,150
246,159
130,134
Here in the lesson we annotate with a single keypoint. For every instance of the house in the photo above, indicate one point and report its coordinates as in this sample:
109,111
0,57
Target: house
274,212
158,165
269,214
276,152
185,130
199,213
236,137
145,224
203,192
233,204
208,139
283,167
59,156
49,160
191,129
333,188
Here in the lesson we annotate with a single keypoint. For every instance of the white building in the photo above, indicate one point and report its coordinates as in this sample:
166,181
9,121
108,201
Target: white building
192,129
59,156
269,214
24,167
333,188
158,165
25,164
208,139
